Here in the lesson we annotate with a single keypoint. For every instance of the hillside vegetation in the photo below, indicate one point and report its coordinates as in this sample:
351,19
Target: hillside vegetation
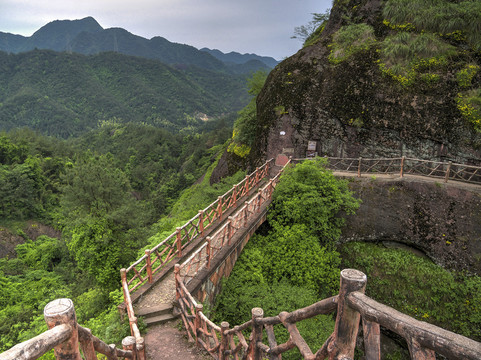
67,94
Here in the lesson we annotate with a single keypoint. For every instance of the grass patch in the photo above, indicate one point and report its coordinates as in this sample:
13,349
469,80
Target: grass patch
418,287
351,39
405,55
459,18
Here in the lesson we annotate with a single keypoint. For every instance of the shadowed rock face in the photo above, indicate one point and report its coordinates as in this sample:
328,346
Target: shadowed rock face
351,109
441,220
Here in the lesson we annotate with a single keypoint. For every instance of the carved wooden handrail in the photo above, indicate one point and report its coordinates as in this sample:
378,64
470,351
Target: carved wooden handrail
65,336
352,305
405,165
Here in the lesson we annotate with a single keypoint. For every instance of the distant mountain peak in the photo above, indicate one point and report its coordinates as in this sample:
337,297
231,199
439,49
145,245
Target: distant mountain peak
86,36
238,58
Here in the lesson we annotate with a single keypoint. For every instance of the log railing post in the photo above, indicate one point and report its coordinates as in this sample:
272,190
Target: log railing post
219,207
62,311
257,175
149,265
209,251
347,321
247,184
234,196
372,340
201,223
448,170
197,321
417,352
128,344
401,171
359,167
224,341
140,346
176,278
246,210
255,352
87,345
179,242
230,229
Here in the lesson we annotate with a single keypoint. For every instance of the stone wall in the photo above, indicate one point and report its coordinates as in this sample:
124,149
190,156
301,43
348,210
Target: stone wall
441,220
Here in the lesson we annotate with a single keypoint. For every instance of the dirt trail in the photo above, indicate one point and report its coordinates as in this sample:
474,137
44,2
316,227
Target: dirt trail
166,342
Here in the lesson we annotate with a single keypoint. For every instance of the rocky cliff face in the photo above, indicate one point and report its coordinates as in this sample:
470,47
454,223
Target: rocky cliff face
441,220
354,104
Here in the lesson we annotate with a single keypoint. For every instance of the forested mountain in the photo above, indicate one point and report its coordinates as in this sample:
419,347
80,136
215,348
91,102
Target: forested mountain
65,94
237,58
86,36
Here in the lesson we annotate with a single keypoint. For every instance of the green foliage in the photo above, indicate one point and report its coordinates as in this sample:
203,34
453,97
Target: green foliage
309,194
245,127
439,16
297,255
419,288
465,75
349,40
293,264
104,221
469,104
310,33
246,288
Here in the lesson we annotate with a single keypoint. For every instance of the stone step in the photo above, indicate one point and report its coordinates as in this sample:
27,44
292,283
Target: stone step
160,319
162,309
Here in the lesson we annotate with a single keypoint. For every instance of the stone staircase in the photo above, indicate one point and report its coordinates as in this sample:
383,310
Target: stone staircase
157,315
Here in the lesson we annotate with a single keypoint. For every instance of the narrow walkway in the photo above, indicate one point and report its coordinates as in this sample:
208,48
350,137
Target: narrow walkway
165,341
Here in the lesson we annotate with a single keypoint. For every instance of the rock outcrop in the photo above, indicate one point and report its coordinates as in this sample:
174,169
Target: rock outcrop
350,107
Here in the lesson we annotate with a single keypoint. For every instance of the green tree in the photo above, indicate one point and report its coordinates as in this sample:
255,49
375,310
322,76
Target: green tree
104,222
309,194
307,33
245,126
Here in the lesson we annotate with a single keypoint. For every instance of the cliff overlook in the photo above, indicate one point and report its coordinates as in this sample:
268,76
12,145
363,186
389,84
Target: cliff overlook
379,79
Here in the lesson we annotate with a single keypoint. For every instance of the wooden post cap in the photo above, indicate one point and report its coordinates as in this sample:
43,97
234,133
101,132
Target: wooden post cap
128,342
58,308
357,279
257,312
224,325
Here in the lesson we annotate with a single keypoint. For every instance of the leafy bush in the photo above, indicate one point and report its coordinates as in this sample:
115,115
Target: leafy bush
310,194
469,104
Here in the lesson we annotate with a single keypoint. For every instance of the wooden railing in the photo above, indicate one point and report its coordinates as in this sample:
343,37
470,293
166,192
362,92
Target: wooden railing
160,255
222,237
65,336
404,165
172,247
246,341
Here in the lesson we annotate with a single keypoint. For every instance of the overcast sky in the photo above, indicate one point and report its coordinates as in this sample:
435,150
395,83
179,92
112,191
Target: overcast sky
263,27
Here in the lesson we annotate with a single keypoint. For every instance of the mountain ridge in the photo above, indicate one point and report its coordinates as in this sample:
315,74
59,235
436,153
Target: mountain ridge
86,36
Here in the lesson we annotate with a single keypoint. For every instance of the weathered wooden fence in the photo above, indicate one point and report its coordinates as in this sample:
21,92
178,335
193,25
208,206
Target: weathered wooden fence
172,247
203,256
405,165
353,309
66,337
